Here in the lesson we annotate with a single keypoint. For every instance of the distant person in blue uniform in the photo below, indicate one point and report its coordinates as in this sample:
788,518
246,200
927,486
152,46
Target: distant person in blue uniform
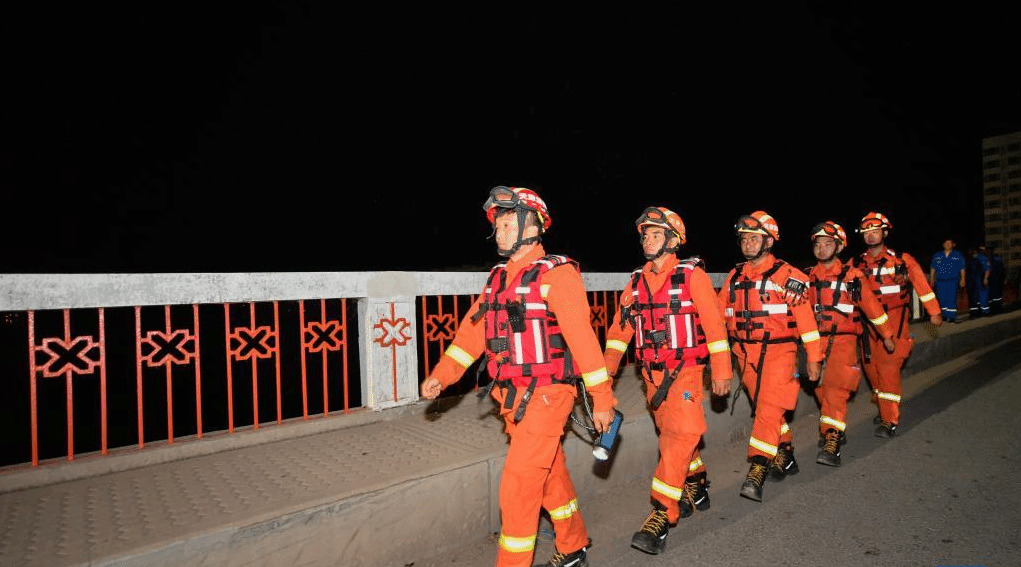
978,284
946,275
997,279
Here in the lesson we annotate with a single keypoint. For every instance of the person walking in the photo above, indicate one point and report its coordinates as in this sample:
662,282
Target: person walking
767,313
835,294
532,323
669,307
891,276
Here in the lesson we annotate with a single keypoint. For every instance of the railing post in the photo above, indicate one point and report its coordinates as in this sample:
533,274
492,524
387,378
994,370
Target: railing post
389,353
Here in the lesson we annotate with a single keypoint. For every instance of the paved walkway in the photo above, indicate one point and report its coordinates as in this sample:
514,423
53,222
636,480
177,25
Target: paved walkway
259,505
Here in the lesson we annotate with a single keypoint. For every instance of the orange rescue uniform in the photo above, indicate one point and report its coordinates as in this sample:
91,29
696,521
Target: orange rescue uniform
890,276
839,302
535,473
764,326
680,418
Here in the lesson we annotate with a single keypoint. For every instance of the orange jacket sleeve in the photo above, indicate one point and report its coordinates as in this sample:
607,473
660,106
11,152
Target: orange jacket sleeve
917,277
467,346
709,314
870,306
567,300
617,339
804,317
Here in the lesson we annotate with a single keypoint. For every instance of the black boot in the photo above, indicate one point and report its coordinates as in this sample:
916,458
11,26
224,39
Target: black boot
830,453
783,463
695,495
886,429
651,537
574,559
752,487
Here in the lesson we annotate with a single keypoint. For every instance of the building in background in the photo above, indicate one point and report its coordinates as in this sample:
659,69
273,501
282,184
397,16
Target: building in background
1001,188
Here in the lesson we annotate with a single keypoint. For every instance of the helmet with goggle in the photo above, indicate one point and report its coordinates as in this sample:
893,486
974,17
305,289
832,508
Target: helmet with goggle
831,229
664,218
524,202
759,222
874,221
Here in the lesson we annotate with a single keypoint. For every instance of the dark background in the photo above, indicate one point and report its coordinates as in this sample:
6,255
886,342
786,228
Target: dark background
294,138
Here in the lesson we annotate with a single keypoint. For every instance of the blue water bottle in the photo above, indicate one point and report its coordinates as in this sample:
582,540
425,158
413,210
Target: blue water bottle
605,443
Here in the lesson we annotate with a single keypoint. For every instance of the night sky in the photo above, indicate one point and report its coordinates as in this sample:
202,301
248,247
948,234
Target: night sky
264,138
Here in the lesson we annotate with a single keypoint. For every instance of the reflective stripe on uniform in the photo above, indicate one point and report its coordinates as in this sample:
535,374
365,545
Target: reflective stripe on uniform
775,308
544,290
522,289
762,446
665,489
879,320
536,306
719,346
889,397
927,297
810,336
830,421
517,544
565,511
888,289
459,355
616,345
845,308
595,377
784,428
728,312
694,465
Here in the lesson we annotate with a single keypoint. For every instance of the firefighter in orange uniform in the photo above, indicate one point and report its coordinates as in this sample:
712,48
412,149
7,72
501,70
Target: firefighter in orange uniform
836,295
767,313
670,307
891,276
532,322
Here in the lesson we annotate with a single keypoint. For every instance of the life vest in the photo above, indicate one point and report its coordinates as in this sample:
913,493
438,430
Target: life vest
667,326
524,345
835,303
884,276
758,312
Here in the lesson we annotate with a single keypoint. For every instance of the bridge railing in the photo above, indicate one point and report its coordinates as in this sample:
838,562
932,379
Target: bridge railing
101,363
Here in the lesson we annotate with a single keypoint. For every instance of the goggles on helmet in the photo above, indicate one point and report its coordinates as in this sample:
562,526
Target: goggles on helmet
871,224
748,223
652,215
506,198
831,229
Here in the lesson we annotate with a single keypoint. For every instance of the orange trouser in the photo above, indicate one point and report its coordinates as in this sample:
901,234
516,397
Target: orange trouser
840,378
779,393
535,476
681,423
883,370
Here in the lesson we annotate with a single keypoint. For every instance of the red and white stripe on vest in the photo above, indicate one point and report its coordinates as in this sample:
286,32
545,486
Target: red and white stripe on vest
757,310
836,299
667,325
523,338
888,278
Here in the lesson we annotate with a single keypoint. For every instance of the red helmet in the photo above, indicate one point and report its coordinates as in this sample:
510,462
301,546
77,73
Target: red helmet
874,221
832,229
501,197
759,222
664,218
